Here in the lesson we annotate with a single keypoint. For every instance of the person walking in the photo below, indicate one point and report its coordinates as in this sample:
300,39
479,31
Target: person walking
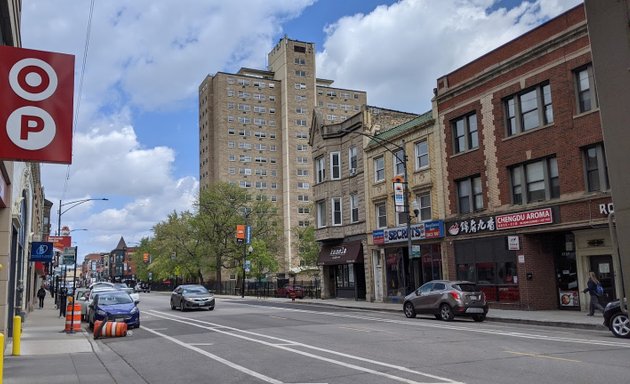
593,287
41,295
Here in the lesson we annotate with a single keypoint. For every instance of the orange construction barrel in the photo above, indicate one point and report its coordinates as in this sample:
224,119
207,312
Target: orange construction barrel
109,329
73,317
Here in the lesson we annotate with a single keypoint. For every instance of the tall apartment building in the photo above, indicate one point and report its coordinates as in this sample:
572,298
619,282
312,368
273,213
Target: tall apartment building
254,129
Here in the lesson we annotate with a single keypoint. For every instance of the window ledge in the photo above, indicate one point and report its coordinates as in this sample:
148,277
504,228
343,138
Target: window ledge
582,114
464,152
520,134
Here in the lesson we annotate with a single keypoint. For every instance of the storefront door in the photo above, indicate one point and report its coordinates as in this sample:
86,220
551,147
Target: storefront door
603,267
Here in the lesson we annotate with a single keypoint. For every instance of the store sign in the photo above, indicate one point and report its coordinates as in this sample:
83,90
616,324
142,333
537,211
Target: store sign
606,209
422,231
37,105
41,251
60,242
500,222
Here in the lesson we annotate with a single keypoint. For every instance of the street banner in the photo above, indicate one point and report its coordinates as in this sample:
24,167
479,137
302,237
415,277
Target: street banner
37,90
240,233
41,251
60,242
399,196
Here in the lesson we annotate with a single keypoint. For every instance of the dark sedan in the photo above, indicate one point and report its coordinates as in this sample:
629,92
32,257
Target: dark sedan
114,305
192,296
617,320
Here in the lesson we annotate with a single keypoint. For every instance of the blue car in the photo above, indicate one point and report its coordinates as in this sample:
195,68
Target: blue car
114,306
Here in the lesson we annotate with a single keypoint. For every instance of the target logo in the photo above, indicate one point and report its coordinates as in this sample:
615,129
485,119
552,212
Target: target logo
36,89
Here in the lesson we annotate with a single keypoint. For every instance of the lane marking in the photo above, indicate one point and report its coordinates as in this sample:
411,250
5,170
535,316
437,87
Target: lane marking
212,327
543,356
356,329
443,325
214,357
279,317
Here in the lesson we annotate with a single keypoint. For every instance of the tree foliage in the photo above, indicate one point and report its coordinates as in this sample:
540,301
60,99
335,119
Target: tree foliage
308,249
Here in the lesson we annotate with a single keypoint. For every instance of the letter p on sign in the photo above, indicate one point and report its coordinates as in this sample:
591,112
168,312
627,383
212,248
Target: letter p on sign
36,89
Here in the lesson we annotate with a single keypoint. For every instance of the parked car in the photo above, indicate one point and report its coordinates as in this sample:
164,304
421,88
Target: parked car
288,289
123,287
82,298
192,296
101,284
616,320
114,305
447,299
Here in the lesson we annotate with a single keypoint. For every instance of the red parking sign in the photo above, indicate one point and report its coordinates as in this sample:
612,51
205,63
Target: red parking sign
36,93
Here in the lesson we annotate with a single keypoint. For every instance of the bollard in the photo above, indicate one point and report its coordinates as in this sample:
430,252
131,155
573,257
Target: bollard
1,356
17,334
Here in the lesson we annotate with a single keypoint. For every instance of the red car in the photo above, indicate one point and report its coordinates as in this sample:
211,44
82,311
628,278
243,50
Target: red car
288,289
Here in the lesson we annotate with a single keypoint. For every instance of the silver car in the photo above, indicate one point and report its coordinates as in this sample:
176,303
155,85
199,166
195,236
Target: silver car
192,296
447,299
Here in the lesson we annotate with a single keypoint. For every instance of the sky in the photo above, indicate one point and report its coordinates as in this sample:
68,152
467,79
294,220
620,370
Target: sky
139,65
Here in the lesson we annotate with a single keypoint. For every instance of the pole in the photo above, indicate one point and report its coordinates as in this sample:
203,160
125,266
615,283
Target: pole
409,246
59,219
74,279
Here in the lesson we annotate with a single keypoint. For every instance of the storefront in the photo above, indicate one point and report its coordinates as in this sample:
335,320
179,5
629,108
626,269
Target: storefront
403,270
343,270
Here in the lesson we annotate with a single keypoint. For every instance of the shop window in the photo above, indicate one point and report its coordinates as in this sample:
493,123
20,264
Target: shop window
344,274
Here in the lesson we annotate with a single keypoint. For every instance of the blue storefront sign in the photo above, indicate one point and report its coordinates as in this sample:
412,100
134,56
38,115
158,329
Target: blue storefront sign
422,231
41,251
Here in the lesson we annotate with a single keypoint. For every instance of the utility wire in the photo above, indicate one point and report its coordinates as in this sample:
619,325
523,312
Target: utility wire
80,93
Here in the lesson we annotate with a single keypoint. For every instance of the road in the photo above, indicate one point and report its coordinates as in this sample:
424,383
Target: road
251,341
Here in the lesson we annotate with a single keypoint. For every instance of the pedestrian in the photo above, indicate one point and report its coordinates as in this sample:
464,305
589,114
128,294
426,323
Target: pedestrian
63,296
592,289
41,295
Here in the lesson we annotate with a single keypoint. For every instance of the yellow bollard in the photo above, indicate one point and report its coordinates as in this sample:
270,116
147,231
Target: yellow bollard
1,356
17,334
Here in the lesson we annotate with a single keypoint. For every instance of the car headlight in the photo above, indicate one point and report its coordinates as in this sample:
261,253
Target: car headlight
188,299
134,310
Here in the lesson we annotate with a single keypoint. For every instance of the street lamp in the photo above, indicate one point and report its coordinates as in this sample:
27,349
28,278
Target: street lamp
71,204
402,158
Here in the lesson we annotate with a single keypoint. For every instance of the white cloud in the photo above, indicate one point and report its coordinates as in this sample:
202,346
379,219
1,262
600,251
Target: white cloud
397,53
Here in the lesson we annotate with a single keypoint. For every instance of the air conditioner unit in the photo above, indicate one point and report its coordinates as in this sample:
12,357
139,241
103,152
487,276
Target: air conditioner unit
353,171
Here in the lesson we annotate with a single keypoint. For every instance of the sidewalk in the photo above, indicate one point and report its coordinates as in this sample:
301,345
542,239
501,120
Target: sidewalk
51,356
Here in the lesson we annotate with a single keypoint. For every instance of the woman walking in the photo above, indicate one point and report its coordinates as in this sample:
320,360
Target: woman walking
591,288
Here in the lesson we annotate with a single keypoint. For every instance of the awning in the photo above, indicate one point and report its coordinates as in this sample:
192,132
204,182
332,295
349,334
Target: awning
345,253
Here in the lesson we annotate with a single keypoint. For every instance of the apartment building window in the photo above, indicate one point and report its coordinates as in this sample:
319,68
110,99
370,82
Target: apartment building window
271,123
321,214
272,110
344,95
331,106
300,73
585,89
301,135
299,61
354,207
529,109
379,169
245,159
261,172
243,132
244,120
259,96
302,172
300,86
303,210
244,107
335,165
302,160
465,134
272,148
300,110
424,205
302,147
231,171
301,123
336,211
259,134
260,122
260,85
245,184
274,173
331,93
260,147
272,136
304,223
231,157
352,158
302,198
260,160
301,185
470,194
231,105
274,198
244,95
274,185
535,181
230,92
320,169
299,48
331,117
595,168
271,97
401,218
230,119
231,144
242,145
399,162
261,185
231,80
422,155
381,215
245,171
259,109
300,98
243,82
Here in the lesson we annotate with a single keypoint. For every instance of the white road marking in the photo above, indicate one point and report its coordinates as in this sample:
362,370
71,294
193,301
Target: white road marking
543,356
215,327
443,325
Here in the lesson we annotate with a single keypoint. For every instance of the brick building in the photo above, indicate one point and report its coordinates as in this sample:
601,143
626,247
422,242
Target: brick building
525,171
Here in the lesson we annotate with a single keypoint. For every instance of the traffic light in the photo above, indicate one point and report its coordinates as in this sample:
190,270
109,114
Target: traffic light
145,257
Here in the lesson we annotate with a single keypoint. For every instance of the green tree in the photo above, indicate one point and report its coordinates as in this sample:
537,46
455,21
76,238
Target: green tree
307,247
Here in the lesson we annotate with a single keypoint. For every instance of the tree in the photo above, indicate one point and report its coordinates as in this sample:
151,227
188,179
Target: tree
308,249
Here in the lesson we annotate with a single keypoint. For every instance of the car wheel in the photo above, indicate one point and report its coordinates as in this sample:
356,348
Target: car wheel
409,310
446,313
479,318
181,306
620,325
210,308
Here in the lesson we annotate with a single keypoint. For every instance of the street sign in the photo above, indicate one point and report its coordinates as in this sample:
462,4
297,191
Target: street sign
41,251
68,256
248,234
248,265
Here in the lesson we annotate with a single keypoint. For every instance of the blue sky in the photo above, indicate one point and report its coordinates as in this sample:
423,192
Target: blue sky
136,138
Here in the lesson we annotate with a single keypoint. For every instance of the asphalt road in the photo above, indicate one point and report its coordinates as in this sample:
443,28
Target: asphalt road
250,341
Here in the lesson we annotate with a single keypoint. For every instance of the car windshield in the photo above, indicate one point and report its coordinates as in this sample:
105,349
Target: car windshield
195,290
466,287
114,298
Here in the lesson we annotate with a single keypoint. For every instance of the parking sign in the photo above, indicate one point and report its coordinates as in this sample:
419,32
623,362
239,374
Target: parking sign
36,89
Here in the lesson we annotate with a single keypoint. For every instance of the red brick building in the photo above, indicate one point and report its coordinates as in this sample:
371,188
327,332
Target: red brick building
525,170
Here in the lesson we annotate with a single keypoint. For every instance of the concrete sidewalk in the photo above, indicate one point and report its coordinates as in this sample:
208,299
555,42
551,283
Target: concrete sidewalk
49,355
